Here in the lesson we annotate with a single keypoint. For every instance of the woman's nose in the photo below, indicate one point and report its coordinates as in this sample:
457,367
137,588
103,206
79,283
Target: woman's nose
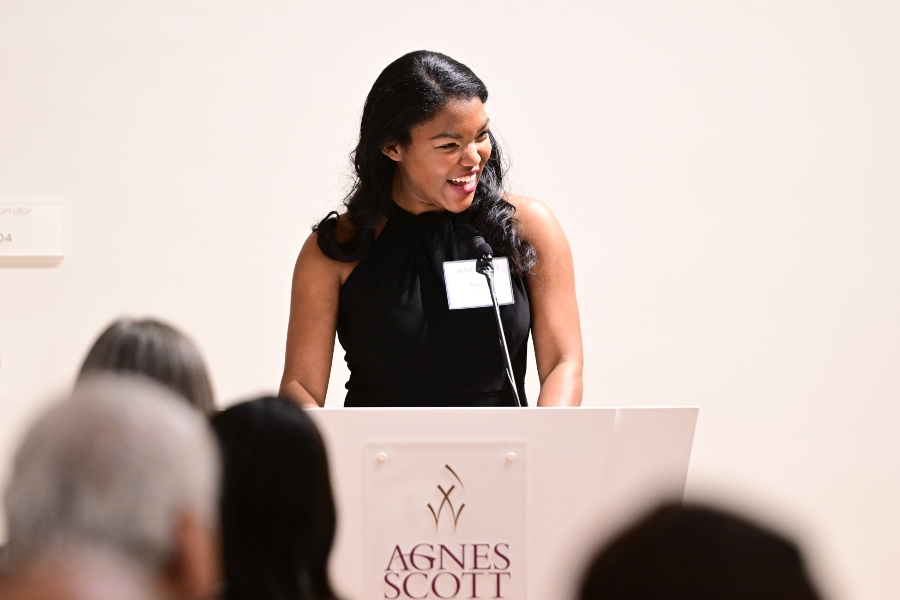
470,156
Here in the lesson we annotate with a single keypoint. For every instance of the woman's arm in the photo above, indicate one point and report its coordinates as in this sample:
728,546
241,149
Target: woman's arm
554,308
314,311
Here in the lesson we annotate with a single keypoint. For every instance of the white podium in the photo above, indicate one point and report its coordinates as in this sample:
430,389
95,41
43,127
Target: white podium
491,502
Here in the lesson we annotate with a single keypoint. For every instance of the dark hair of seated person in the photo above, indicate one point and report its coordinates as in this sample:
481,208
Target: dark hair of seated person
697,553
278,515
154,350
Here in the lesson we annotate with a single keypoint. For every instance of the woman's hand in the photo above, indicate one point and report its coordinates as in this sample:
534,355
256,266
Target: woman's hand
554,309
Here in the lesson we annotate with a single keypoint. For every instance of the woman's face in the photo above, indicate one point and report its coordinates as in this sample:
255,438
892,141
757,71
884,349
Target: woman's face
441,165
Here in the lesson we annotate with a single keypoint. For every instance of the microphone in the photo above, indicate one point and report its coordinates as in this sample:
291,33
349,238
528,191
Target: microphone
485,266
482,248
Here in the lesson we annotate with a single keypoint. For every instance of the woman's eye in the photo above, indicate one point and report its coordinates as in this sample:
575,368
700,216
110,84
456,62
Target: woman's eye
447,146
484,135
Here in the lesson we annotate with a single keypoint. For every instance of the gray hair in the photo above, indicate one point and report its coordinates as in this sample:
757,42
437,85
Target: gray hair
113,465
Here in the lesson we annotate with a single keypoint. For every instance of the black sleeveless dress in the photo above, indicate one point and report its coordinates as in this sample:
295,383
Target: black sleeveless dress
403,344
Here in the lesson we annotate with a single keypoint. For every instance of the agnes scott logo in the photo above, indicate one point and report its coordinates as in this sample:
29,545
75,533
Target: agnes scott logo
440,566
446,501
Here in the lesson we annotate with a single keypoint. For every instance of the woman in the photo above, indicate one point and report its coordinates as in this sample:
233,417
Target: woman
278,516
155,350
429,179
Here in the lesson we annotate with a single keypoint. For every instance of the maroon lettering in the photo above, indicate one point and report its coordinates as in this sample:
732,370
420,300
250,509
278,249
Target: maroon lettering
501,555
434,584
395,555
497,575
444,570
388,581
414,554
409,594
475,562
461,561
474,583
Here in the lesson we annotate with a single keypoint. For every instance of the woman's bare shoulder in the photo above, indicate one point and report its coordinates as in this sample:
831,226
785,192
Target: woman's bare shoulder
312,261
535,217
344,229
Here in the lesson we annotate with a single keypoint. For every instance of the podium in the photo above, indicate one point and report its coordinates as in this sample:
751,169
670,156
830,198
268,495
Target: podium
491,502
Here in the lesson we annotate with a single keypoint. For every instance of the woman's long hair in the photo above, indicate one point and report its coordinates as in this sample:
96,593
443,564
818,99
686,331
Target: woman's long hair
410,91
278,514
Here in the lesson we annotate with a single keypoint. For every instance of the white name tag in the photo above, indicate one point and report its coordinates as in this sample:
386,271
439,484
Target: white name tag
466,288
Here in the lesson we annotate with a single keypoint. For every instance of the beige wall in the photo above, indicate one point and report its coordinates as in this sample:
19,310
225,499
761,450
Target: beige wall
727,174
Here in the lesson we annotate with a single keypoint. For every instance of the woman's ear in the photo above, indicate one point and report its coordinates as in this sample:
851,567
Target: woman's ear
392,151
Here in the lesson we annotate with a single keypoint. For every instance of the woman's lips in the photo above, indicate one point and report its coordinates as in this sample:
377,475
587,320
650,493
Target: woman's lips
465,184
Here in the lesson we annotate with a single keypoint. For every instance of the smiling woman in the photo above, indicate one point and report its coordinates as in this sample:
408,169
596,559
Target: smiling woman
429,178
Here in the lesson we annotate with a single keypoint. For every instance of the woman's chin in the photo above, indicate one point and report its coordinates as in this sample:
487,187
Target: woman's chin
458,203
460,207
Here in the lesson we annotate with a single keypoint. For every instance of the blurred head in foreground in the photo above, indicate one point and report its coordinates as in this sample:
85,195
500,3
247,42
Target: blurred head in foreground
278,516
126,466
697,553
156,350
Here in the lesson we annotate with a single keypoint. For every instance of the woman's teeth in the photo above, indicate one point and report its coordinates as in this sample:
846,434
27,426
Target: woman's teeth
464,180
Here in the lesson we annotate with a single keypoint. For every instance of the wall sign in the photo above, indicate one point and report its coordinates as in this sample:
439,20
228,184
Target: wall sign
31,232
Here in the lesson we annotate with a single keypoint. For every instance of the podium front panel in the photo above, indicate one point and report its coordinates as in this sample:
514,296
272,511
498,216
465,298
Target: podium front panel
442,500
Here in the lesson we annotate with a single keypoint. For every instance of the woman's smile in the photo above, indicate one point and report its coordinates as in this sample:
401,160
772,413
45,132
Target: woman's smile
466,184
